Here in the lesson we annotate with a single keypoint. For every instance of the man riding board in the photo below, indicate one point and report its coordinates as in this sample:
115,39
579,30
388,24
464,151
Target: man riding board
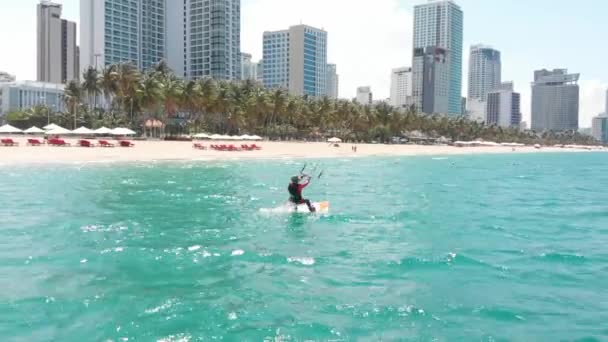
295,191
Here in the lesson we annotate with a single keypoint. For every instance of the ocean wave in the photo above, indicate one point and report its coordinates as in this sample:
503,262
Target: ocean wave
563,258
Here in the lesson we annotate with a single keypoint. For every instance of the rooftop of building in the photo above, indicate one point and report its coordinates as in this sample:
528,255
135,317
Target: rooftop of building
33,84
435,2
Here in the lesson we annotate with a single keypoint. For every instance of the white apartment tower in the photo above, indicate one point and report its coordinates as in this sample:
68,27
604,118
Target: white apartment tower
249,69
555,100
57,51
365,95
503,106
438,31
401,87
484,71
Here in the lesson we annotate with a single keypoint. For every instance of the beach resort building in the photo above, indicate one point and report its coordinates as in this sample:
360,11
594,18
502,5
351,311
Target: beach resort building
197,38
401,87
503,106
23,95
438,33
555,100
57,50
296,59
365,95
333,81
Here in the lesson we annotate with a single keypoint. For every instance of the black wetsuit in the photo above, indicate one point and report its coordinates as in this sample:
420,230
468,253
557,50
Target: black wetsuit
295,192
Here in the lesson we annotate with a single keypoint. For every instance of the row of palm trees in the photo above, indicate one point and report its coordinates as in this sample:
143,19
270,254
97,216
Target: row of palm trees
122,95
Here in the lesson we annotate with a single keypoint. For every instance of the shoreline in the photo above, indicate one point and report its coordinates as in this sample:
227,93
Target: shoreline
172,151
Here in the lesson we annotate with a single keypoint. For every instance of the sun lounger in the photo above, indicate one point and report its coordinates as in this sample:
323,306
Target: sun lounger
126,143
58,142
199,146
255,147
85,143
34,142
8,142
105,143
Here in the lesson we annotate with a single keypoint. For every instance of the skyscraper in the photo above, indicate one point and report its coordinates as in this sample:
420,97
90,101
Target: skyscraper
599,128
57,52
503,106
438,30
484,71
401,87
555,100
364,95
333,81
197,38
431,83
296,59
117,31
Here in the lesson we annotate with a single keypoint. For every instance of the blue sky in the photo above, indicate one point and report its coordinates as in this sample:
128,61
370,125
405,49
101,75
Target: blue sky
367,41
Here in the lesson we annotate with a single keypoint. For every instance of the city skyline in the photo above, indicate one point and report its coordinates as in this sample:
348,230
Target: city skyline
537,41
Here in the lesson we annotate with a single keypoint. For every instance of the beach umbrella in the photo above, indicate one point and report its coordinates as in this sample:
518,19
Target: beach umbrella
103,131
216,137
58,131
201,136
334,140
9,129
50,127
256,137
122,131
83,131
246,137
33,130
225,137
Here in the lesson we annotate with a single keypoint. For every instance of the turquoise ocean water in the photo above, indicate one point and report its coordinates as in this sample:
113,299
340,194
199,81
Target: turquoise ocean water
469,248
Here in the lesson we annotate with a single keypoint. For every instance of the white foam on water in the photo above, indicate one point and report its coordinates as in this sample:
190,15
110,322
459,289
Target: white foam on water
83,261
232,316
238,252
306,261
194,248
206,254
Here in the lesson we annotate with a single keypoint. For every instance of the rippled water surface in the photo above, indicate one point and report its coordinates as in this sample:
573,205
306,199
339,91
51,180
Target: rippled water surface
490,248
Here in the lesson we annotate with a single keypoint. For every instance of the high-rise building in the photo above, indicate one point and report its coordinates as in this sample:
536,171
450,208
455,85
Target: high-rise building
333,81
197,38
606,109
57,52
401,87
484,71
122,31
365,95
438,30
296,59
260,74
430,79
6,77
204,38
249,69
599,127
555,100
503,106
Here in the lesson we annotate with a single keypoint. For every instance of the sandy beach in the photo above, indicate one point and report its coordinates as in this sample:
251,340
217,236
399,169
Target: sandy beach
169,150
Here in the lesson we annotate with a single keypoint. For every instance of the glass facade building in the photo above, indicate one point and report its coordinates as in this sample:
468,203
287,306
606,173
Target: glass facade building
438,24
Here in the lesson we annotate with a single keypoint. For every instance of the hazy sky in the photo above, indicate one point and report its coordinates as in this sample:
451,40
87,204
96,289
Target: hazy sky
368,39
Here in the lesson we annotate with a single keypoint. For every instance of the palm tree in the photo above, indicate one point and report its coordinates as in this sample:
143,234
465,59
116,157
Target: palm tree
91,86
127,81
108,84
72,97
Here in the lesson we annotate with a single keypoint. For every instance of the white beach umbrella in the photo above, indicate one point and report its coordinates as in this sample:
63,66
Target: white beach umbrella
83,131
234,137
33,130
50,127
225,137
334,140
9,129
122,131
246,137
58,131
201,136
256,137
103,131
216,137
